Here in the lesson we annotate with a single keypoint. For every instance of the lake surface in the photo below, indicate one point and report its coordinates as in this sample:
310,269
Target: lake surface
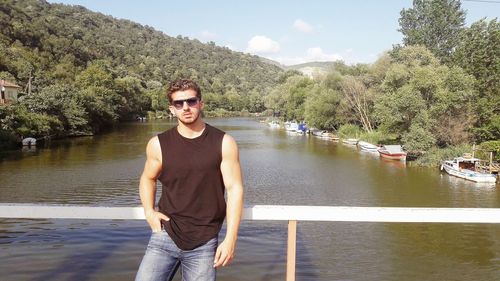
278,169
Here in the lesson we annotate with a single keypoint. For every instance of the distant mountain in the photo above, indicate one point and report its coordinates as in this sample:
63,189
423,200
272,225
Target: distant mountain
312,68
316,64
306,68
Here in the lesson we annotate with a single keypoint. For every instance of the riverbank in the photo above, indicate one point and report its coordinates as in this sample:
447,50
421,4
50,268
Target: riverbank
429,158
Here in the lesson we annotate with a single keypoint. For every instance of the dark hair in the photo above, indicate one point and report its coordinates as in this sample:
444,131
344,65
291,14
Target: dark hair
183,85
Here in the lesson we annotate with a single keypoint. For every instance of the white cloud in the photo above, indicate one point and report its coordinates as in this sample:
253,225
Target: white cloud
303,26
262,45
207,35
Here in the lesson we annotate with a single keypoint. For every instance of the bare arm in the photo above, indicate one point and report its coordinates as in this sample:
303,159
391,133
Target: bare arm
147,185
231,174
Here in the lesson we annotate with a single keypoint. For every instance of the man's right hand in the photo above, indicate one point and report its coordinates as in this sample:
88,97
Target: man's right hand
154,219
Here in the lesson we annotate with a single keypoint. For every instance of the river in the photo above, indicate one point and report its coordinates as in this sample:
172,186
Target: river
278,169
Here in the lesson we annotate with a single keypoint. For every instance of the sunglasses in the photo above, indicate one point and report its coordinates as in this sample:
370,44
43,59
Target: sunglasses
178,104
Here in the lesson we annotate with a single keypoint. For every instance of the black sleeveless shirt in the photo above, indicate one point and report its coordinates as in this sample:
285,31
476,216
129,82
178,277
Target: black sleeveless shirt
192,187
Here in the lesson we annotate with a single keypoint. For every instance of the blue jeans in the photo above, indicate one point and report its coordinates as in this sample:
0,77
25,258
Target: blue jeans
163,258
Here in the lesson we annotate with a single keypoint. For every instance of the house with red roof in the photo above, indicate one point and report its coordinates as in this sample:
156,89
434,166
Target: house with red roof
8,92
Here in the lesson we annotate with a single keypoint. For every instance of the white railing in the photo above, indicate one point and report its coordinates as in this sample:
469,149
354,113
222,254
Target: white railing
292,214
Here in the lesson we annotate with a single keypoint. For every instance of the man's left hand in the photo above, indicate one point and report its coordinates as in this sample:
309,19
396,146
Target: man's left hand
225,253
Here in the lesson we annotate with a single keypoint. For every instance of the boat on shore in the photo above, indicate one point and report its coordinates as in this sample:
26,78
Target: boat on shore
368,147
316,132
393,152
466,167
323,134
328,136
274,124
350,141
30,141
301,128
291,126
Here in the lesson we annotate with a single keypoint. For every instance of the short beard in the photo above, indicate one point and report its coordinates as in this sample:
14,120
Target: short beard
192,122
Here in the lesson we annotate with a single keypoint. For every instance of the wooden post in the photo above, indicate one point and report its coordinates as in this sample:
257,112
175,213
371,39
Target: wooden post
491,161
291,250
473,150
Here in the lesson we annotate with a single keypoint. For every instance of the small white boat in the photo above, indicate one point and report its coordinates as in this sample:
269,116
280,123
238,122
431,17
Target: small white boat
29,141
350,141
393,152
466,168
291,126
316,132
366,146
274,124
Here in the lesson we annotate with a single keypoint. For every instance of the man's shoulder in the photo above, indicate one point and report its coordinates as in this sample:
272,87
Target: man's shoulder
153,146
214,129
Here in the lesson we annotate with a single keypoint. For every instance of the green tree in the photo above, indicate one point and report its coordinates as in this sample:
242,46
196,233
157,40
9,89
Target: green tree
435,24
61,102
255,102
24,123
419,136
357,102
321,107
424,102
478,54
98,95
296,90
234,100
133,96
453,106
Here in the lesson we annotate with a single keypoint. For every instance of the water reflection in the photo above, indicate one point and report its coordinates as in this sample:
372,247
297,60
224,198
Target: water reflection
393,163
419,246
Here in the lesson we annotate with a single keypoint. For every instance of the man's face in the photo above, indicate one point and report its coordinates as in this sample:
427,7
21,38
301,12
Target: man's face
186,106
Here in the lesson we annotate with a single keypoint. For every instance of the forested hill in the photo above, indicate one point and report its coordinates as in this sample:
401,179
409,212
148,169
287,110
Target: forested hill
81,71
57,42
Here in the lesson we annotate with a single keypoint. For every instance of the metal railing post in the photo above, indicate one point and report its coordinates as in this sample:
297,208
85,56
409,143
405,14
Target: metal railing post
291,250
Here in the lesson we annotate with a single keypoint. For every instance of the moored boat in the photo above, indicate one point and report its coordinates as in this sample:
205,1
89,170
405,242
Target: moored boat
316,132
366,146
350,141
466,168
301,128
274,124
291,126
29,141
323,134
393,152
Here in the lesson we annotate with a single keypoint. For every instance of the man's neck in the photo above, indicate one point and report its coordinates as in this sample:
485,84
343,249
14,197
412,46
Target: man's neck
191,131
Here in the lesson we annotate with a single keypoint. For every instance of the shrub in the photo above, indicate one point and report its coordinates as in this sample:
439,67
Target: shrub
487,147
349,131
435,155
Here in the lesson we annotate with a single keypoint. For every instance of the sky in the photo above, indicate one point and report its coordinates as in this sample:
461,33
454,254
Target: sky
288,31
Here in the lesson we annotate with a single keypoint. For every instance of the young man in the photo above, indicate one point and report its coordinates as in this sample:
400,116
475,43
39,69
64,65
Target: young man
195,163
